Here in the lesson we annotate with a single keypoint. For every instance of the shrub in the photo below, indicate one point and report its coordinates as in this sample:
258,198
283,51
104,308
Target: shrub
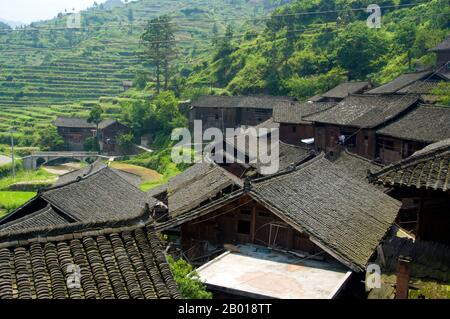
188,280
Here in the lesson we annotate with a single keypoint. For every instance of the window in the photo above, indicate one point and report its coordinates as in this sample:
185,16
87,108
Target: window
245,212
294,129
217,116
244,227
263,214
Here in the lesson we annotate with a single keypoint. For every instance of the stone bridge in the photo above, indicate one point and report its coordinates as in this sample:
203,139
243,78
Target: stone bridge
34,161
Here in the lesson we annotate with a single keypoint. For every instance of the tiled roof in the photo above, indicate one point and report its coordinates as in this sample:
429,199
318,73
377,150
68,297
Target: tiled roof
356,166
343,215
443,46
201,182
133,179
260,102
428,168
427,123
96,197
295,113
77,122
400,82
345,89
365,111
116,260
346,217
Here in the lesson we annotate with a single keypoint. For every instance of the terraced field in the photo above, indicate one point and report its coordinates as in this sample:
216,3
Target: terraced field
48,70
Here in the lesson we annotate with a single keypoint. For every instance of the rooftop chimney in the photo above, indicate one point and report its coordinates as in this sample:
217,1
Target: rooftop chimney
403,275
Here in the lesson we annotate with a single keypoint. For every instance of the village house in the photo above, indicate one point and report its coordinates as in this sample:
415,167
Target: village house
421,182
355,121
442,51
406,135
114,259
341,91
421,82
234,111
294,128
102,194
76,130
314,210
242,147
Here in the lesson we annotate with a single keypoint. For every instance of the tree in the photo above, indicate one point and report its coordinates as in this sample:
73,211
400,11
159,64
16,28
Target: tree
159,48
48,139
188,280
95,116
130,20
126,141
357,49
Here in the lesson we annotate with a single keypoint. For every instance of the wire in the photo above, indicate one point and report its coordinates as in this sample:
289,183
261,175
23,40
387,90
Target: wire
405,95
400,6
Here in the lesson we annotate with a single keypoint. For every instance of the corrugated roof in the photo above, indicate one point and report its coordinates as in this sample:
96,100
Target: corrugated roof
295,113
117,260
428,168
259,102
427,123
346,217
365,111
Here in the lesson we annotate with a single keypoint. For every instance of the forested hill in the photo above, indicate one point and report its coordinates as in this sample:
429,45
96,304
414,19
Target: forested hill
311,45
47,63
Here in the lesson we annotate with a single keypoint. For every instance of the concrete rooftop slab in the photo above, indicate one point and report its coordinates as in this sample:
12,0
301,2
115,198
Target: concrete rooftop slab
258,272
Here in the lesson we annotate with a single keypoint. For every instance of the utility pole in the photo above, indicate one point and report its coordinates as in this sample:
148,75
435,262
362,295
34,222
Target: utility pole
12,155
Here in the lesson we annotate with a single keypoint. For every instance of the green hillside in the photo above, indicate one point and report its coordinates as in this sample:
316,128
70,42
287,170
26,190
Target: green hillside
46,68
310,45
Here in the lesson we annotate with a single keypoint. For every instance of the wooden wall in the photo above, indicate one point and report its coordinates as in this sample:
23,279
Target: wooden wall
294,133
244,221
228,117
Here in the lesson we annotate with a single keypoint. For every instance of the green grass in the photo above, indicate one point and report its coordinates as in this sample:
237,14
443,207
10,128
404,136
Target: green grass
10,201
26,176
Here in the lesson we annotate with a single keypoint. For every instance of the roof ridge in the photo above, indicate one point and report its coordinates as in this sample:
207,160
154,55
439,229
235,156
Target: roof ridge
62,232
289,169
78,179
361,157
410,160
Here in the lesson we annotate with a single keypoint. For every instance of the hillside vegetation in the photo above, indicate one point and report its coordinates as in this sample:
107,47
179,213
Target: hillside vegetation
311,45
47,69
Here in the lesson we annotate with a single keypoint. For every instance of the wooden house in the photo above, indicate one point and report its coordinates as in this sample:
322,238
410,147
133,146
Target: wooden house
234,111
402,138
341,91
421,182
313,210
94,194
293,126
442,51
113,259
354,122
421,83
76,130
